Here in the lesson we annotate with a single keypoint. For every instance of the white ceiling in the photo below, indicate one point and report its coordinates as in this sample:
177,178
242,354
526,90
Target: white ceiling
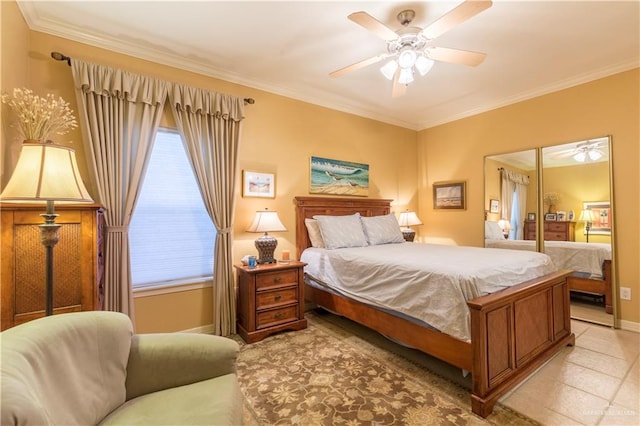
290,47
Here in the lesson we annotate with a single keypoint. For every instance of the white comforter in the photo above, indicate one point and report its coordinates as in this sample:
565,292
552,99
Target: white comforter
429,282
577,256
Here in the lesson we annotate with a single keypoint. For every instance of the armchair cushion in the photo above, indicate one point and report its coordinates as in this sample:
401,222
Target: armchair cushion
162,361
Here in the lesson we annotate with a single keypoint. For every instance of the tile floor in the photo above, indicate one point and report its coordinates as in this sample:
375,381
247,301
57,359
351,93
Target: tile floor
595,382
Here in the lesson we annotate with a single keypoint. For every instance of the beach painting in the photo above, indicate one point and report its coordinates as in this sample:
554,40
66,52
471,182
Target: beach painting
336,177
255,184
449,195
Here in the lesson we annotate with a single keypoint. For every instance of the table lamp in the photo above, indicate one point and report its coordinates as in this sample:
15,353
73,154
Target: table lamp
505,225
266,221
407,219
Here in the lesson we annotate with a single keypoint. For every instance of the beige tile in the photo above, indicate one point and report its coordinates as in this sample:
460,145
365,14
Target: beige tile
606,346
598,361
634,372
579,327
622,337
571,402
620,416
628,395
531,408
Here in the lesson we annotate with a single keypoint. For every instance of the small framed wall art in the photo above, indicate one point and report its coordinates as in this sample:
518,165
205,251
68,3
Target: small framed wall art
449,195
256,184
494,206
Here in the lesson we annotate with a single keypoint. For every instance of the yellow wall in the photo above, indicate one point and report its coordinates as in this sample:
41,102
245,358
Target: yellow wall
608,106
279,136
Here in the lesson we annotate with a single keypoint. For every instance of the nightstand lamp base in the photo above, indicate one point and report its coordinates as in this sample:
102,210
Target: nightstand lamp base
409,235
266,246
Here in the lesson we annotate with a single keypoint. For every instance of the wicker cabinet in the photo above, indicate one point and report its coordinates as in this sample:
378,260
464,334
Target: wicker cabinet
77,258
553,231
270,299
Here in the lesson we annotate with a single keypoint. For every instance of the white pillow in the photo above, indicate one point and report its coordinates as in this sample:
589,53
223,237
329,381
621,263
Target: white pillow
492,231
313,230
382,229
341,231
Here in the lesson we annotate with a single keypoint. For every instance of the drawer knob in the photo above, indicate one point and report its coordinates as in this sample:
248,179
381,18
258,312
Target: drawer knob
277,298
277,279
278,315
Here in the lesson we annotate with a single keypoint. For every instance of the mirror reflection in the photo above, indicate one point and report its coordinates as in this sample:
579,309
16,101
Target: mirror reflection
577,222
576,215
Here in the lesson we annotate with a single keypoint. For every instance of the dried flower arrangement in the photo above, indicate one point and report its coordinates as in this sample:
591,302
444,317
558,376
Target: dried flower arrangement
551,198
40,118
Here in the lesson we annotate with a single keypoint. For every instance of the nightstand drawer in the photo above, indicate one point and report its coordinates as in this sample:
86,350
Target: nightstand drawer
276,279
269,299
276,316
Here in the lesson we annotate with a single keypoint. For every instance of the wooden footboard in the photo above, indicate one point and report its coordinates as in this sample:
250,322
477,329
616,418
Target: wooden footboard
515,331
595,286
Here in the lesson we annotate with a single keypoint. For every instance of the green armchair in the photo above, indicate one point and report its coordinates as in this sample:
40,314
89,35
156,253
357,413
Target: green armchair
88,368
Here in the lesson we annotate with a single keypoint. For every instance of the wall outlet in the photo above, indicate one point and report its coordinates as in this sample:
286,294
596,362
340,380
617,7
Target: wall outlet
625,293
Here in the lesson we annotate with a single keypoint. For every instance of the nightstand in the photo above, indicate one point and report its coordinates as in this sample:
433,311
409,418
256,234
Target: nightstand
270,299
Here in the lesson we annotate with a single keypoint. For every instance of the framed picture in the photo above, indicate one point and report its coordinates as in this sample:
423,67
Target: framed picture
494,206
561,216
531,217
449,195
337,177
550,216
255,184
602,212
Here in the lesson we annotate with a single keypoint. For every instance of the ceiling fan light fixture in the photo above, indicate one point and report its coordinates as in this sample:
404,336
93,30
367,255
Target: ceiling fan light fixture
389,69
406,76
594,154
580,156
423,65
407,58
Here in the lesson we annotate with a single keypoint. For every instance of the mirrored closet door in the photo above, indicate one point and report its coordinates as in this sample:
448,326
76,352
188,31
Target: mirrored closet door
577,203
572,210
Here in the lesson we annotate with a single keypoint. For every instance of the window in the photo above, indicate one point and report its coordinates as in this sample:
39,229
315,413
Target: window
171,236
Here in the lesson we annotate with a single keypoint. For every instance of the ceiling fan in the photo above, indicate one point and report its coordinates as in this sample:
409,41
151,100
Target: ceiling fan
410,48
587,151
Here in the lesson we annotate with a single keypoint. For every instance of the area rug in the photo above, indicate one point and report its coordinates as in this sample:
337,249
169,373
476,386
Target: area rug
332,373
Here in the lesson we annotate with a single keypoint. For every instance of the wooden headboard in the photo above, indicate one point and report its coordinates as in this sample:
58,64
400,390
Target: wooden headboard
307,207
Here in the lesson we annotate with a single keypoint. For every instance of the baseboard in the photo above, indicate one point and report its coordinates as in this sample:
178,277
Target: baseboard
630,326
203,329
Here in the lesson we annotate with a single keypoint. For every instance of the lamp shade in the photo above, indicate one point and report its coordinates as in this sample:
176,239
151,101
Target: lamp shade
46,172
587,216
409,219
266,221
504,224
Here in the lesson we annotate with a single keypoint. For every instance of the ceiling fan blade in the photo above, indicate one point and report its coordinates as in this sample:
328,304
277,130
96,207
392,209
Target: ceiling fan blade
357,66
464,57
398,89
455,16
372,24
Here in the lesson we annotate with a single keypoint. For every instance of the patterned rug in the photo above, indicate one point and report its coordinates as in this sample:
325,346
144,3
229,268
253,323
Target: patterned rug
329,375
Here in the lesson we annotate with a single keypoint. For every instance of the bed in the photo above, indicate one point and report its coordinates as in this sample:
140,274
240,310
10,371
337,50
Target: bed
591,262
512,331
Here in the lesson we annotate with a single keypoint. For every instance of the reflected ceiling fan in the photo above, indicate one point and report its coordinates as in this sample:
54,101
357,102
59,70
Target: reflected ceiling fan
410,48
582,152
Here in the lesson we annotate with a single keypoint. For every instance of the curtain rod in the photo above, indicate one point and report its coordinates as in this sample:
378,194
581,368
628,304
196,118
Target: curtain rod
62,57
502,168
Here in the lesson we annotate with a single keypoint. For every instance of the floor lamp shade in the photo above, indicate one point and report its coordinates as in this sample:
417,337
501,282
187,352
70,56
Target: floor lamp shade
266,221
46,172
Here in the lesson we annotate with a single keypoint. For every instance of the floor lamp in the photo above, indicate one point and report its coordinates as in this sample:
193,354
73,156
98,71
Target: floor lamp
46,172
